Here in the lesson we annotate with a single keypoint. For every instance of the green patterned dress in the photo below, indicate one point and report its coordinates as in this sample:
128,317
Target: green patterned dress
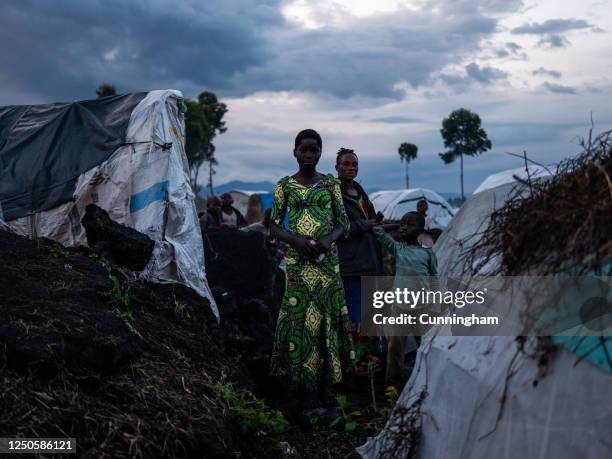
313,332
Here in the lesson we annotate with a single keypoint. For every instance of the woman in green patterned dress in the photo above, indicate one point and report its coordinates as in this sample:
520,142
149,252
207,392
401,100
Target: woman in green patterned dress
313,334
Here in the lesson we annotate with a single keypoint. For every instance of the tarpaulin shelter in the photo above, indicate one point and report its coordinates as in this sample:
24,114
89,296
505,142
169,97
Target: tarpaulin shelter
475,397
510,175
395,203
123,153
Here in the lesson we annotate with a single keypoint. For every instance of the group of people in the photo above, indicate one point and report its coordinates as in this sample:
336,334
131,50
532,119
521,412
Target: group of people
221,212
332,239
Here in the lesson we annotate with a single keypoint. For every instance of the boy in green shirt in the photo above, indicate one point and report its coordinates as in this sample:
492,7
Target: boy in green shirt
414,268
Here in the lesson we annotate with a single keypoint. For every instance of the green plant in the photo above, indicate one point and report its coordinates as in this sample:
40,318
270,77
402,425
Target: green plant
350,419
119,294
180,308
252,414
120,291
59,252
372,368
127,317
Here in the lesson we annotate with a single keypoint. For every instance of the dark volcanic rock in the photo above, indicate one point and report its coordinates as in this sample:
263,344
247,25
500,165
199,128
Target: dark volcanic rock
123,245
239,261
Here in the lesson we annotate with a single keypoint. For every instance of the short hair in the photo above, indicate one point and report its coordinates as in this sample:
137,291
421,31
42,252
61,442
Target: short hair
308,134
226,196
419,219
344,151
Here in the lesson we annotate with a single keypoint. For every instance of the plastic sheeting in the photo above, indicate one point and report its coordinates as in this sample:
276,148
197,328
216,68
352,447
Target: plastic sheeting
564,414
44,149
507,176
144,184
395,203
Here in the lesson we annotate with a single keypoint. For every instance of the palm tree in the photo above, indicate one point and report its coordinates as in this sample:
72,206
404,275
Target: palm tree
407,152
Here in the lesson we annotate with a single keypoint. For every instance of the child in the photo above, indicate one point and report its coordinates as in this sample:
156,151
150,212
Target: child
313,344
414,265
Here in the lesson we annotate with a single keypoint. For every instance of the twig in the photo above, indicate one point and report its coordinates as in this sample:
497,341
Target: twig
530,160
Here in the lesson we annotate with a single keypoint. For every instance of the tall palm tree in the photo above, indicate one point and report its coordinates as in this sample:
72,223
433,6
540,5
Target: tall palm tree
407,152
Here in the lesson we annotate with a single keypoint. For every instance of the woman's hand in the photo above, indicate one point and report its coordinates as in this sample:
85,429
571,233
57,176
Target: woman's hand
324,243
302,244
369,224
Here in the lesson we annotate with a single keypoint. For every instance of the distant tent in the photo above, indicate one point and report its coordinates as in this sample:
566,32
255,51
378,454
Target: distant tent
241,198
124,153
452,406
395,203
245,198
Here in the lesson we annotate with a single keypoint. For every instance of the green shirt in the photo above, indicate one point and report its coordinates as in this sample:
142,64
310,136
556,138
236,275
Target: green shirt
415,267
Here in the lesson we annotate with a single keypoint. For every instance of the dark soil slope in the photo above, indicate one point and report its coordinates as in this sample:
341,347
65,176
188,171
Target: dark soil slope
126,367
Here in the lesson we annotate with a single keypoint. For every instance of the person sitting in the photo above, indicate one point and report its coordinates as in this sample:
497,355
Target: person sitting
230,216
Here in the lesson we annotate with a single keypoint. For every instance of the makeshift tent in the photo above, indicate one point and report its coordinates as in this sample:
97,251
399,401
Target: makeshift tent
477,397
395,203
124,153
509,176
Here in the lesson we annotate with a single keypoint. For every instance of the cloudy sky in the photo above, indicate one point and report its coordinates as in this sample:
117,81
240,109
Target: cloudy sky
366,74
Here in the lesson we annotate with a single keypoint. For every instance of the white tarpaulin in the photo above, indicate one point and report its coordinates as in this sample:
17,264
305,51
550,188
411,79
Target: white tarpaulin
565,414
144,185
484,399
508,176
395,203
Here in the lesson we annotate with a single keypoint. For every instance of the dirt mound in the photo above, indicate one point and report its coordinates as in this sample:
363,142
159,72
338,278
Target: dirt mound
131,369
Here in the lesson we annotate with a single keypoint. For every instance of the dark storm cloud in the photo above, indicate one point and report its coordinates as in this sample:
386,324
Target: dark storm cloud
474,74
545,72
512,51
485,74
554,41
514,47
560,89
371,58
552,26
64,49
552,31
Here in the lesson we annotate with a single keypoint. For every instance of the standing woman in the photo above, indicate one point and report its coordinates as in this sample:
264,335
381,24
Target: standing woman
313,341
359,250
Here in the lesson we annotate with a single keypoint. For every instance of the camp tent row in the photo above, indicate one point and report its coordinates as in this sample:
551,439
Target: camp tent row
123,153
463,379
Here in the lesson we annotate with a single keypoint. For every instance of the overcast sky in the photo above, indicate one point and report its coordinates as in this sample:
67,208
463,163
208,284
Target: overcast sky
366,74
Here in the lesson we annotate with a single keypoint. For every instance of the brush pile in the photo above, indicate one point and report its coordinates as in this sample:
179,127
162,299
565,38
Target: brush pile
556,225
